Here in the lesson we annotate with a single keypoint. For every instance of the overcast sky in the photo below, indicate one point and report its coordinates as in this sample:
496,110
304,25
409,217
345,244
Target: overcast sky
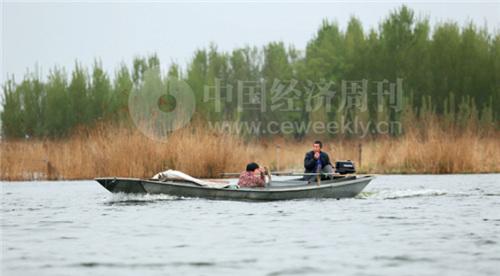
49,34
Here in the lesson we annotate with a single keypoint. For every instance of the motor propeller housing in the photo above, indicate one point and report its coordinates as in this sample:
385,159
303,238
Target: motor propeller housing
345,167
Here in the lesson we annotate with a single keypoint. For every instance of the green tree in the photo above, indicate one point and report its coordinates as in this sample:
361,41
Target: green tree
79,97
57,108
123,85
100,94
12,119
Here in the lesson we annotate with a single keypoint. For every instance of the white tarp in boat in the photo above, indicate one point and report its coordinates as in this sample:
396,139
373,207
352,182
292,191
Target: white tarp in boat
178,175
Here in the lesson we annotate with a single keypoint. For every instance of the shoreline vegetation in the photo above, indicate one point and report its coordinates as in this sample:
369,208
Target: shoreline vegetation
119,151
439,86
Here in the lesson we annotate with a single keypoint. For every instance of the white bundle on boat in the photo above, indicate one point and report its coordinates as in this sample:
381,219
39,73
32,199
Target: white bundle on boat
178,175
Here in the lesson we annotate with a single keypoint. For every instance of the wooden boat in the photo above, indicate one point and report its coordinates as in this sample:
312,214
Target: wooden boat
295,188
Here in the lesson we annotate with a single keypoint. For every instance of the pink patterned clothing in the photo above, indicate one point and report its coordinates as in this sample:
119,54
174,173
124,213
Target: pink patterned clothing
250,180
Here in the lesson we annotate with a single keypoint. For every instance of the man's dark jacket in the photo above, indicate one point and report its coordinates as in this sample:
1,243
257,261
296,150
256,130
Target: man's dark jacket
310,162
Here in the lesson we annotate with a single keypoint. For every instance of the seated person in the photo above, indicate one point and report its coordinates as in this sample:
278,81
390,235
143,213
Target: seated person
252,177
317,161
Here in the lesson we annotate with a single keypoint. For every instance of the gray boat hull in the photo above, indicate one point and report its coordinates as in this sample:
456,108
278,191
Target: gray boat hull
280,190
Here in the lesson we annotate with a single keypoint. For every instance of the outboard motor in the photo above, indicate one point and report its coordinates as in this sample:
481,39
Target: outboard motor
345,167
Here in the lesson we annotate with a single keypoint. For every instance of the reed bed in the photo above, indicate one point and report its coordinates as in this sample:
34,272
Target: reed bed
120,151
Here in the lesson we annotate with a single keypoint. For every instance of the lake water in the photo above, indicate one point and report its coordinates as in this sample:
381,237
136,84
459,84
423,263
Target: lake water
400,225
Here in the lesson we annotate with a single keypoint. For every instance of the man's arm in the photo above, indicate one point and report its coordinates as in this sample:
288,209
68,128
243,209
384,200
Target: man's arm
309,162
327,160
258,181
262,181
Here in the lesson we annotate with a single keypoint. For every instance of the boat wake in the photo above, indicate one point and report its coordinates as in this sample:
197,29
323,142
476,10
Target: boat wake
391,194
123,198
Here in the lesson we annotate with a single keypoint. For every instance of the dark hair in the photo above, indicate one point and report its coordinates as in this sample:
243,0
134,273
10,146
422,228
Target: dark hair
319,143
252,167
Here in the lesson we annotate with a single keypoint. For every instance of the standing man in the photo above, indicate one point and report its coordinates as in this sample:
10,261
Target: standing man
317,161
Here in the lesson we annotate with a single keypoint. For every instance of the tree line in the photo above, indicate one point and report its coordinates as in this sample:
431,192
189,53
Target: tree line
446,70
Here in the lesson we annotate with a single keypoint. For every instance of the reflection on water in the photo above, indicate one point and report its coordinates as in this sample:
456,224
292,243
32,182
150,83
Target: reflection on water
421,225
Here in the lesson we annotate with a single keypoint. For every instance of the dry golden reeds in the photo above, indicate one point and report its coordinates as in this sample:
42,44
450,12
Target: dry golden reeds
120,151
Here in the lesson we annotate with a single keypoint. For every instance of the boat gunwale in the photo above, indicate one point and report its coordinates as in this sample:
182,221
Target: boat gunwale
245,189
